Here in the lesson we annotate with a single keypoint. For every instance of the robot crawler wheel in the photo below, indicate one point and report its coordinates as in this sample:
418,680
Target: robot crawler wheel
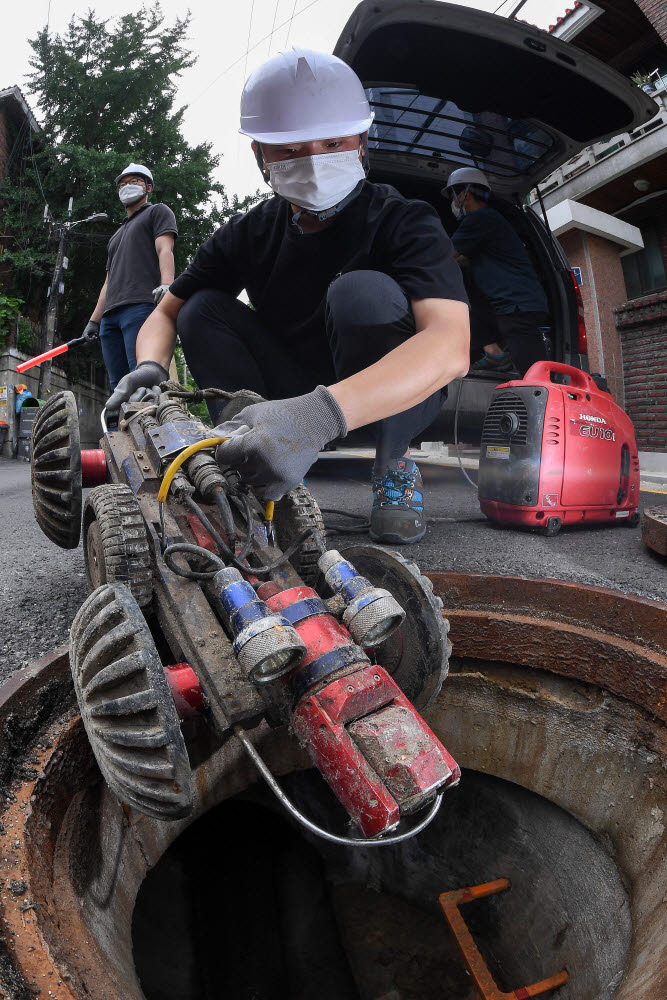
126,705
553,526
56,470
297,511
115,541
417,653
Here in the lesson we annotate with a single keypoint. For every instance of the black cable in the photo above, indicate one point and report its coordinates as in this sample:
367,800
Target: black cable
345,529
193,550
234,560
198,512
222,504
247,510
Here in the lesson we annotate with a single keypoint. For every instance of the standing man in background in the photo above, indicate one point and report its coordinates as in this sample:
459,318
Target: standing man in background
502,272
140,268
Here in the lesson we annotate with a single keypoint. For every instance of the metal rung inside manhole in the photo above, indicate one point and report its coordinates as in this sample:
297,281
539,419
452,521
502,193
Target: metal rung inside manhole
450,902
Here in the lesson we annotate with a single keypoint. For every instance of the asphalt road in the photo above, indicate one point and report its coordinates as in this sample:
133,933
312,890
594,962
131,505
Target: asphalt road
42,586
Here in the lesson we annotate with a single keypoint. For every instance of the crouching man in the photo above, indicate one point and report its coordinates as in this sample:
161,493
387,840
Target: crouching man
359,311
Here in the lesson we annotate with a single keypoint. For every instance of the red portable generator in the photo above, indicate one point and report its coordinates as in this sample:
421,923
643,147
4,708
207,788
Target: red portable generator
555,454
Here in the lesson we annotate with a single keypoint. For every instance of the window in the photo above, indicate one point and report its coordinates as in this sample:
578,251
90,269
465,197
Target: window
407,121
645,270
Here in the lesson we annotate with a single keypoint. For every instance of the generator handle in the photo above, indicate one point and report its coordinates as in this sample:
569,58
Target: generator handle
541,372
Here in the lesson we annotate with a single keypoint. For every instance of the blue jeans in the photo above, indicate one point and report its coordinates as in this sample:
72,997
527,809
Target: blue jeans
118,337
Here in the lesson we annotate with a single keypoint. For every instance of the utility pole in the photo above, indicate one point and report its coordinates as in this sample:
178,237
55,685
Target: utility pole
56,289
51,315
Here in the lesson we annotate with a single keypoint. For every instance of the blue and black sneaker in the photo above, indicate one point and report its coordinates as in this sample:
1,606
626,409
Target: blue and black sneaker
495,363
397,515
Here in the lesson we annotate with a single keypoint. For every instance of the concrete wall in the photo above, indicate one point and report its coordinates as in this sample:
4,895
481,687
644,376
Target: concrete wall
602,289
642,324
90,399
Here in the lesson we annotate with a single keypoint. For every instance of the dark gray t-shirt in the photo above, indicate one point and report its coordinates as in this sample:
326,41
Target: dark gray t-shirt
132,262
499,262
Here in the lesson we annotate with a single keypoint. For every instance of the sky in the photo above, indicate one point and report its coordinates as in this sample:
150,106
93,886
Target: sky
230,40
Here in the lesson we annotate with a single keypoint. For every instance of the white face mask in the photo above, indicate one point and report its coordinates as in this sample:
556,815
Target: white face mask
130,193
457,211
316,182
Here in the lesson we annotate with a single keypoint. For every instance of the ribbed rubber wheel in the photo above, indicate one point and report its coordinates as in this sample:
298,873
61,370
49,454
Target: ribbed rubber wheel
116,546
126,706
56,470
297,511
417,653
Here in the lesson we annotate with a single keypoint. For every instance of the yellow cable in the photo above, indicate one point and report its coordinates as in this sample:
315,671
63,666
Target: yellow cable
178,462
184,455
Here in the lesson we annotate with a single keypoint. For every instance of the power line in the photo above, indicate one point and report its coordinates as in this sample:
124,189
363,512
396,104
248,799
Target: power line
34,167
273,26
247,44
290,24
252,49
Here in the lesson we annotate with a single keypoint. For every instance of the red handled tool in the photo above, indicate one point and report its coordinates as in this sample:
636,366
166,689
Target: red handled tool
47,355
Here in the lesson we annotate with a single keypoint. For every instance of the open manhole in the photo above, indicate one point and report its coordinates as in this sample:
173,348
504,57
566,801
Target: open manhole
555,706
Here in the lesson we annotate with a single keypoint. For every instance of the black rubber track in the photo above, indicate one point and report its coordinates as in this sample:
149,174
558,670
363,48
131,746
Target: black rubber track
297,511
115,541
126,705
56,470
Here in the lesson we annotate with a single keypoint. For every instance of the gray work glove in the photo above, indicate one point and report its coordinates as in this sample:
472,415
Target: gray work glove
159,293
146,375
273,444
92,331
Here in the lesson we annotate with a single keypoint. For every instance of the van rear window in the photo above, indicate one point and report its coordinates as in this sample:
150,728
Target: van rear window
407,121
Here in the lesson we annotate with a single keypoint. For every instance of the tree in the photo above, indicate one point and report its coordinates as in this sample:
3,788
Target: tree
106,92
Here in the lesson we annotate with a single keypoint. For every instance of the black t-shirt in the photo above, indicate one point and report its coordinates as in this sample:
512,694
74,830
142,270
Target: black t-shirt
286,273
499,262
132,262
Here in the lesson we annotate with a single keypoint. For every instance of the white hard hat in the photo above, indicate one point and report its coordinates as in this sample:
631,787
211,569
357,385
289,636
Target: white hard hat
466,175
302,95
135,168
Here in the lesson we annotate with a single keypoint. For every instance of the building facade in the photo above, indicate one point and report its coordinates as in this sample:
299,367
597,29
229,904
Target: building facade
608,208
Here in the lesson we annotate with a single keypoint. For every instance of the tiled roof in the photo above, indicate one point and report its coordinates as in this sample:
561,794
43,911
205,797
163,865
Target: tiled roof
568,12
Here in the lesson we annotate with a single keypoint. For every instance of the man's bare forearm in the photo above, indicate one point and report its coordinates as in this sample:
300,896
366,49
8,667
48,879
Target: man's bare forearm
410,373
157,337
166,262
99,308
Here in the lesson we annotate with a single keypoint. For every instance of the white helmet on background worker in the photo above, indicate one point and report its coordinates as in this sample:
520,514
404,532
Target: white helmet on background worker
472,180
302,95
131,194
306,96
466,175
136,169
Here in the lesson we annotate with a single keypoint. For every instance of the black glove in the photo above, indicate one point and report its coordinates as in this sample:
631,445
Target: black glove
92,331
273,444
146,375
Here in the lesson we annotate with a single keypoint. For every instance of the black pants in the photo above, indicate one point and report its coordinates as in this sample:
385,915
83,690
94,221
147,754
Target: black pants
520,334
366,315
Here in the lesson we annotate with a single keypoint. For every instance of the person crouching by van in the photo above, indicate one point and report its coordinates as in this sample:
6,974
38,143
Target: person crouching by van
503,273
359,310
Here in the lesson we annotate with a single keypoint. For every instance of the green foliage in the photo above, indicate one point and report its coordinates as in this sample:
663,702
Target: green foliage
199,410
105,91
10,315
9,310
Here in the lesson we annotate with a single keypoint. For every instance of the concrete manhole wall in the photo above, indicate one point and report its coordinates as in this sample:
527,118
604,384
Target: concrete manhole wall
588,883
